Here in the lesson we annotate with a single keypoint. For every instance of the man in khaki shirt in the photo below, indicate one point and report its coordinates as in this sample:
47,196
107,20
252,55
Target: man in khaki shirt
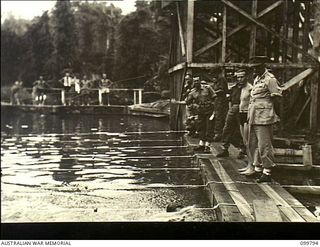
261,118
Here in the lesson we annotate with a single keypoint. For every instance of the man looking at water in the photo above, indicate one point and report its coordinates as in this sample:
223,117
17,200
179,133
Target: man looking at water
202,99
232,124
220,104
104,88
262,115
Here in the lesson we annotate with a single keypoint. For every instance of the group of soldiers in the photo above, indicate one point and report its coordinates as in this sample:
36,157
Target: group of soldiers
76,91
250,107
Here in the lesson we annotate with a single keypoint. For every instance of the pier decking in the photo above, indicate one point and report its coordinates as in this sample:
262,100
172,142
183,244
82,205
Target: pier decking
236,198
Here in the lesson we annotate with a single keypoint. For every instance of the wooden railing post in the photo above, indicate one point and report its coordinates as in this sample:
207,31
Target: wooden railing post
100,96
140,96
63,97
134,97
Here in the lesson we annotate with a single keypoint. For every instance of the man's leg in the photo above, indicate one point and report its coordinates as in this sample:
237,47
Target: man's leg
202,132
253,153
221,109
265,135
228,131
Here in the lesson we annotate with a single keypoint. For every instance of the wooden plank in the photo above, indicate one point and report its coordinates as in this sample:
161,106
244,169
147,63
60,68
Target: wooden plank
183,47
177,67
296,205
314,101
287,152
258,23
248,65
190,27
282,204
303,109
244,207
237,29
295,80
247,186
266,211
303,189
253,33
306,27
224,35
295,31
218,194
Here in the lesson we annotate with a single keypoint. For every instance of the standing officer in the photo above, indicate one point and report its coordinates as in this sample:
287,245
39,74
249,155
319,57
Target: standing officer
104,85
232,123
262,115
202,99
220,104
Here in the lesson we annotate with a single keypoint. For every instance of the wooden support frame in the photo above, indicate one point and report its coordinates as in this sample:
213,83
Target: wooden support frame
258,23
183,46
253,33
190,27
314,101
211,31
224,35
238,29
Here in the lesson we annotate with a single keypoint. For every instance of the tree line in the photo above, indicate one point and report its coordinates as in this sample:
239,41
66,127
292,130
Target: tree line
87,38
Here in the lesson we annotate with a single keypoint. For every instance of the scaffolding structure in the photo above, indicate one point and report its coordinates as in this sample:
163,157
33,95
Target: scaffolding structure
224,34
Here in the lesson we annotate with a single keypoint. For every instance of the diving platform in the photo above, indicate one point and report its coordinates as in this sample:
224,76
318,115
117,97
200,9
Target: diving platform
236,198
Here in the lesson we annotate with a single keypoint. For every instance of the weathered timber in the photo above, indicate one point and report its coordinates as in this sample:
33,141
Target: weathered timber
237,29
245,14
283,205
314,101
253,33
183,46
190,27
266,211
219,197
295,204
295,80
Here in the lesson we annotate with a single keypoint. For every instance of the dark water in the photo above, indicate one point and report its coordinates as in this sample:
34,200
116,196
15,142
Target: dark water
97,168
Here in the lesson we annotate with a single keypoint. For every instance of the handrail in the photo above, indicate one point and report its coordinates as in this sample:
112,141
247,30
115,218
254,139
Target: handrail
137,99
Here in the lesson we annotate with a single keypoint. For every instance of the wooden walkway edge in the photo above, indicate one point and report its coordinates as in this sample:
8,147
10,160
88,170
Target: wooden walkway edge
236,198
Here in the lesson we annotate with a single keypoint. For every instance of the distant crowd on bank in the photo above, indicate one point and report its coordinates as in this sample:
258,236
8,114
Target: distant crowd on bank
217,113
76,90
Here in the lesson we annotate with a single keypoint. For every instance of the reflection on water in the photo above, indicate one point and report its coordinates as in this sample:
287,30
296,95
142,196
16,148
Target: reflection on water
96,168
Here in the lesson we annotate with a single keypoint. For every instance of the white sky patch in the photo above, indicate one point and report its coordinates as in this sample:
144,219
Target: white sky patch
29,9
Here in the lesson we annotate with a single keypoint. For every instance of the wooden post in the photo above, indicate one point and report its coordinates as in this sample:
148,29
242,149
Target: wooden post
314,102
307,155
306,27
295,33
190,27
100,96
183,48
134,97
224,34
284,58
140,96
63,97
253,33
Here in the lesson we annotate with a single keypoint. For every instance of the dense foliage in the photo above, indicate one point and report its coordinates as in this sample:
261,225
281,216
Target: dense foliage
86,38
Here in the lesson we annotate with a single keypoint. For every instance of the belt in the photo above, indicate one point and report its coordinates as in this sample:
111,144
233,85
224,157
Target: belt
261,100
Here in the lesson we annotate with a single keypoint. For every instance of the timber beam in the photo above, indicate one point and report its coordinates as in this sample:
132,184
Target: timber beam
238,29
258,23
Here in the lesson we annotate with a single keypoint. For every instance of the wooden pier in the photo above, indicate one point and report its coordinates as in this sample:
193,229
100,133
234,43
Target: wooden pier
236,198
